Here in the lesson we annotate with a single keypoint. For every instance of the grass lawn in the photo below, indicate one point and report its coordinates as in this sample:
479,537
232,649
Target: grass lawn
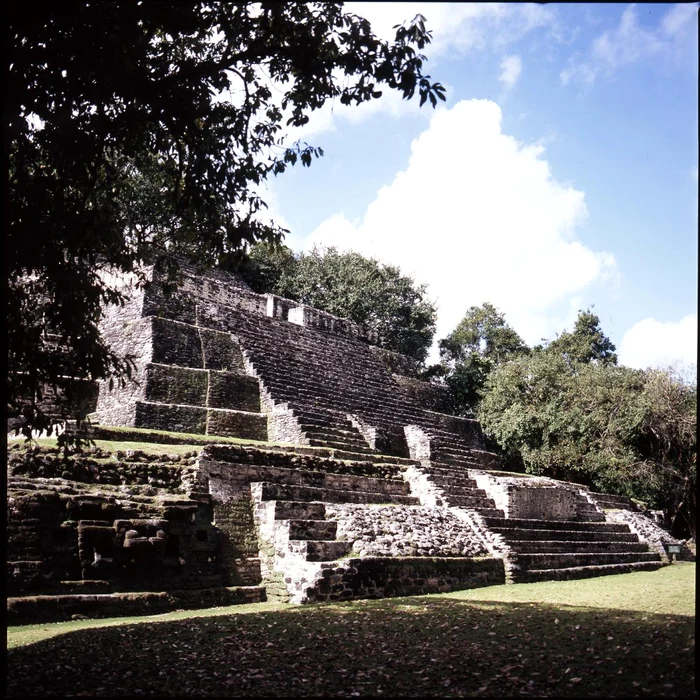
630,635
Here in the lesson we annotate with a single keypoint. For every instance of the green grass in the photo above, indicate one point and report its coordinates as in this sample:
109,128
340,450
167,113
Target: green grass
670,590
190,442
630,635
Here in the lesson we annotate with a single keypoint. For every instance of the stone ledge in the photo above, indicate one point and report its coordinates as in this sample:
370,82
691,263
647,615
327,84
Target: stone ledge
59,608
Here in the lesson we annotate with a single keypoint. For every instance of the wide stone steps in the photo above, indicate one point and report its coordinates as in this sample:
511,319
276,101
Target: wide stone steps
337,445
498,524
289,492
565,560
463,450
220,453
474,502
328,480
445,470
575,546
454,481
349,434
320,422
516,535
328,394
542,550
579,572
465,491
347,482
465,460
344,400
349,439
317,373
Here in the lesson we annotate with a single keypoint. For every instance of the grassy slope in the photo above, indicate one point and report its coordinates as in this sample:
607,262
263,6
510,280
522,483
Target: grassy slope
617,636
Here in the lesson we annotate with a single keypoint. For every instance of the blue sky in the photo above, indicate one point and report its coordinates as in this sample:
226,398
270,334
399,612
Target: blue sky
561,173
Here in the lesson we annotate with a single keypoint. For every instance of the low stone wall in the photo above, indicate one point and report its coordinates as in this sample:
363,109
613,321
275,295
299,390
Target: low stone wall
384,577
304,315
98,467
233,456
536,498
59,608
400,531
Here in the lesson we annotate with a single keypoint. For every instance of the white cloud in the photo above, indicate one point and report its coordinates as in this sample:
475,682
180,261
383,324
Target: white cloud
652,343
630,42
478,216
458,27
678,18
511,67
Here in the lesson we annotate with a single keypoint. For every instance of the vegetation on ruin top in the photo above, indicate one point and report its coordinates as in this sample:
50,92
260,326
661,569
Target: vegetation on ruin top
617,636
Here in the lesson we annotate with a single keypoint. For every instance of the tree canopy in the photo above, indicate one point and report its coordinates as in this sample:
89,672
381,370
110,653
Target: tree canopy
481,341
616,429
352,286
586,343
134,129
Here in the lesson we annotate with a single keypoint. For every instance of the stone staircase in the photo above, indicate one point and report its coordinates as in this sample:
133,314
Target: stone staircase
544,550
317,373
325,429
296,535
540,549
457,489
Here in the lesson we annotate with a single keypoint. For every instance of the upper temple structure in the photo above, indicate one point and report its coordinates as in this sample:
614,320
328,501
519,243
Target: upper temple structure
347,477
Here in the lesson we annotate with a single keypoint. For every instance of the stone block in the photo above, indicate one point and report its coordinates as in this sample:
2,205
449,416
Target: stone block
178,306
176,344
180,419
233,391
242,424
220,350
176,385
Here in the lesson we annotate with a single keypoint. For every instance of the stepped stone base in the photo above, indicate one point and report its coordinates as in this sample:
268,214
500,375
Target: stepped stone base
202,421
384,577
381,474
59,608
579,572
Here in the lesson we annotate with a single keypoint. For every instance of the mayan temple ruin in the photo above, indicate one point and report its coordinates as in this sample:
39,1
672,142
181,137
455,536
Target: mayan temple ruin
348,479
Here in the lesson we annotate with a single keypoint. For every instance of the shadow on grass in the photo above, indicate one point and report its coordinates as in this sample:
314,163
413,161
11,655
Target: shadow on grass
407,647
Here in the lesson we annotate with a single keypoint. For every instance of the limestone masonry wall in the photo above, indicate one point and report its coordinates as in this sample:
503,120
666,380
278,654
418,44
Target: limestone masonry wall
401,531
361,484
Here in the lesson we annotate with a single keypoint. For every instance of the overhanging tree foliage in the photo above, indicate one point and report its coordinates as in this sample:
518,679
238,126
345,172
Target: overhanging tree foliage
134,129
351,286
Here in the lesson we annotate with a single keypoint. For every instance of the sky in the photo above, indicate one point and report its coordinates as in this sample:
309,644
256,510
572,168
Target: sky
560,174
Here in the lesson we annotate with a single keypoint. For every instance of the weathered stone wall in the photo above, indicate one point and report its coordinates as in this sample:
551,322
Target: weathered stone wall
308,316
121,521
432,396
187,379
646,529
401,531
537,498
382,577
396,363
